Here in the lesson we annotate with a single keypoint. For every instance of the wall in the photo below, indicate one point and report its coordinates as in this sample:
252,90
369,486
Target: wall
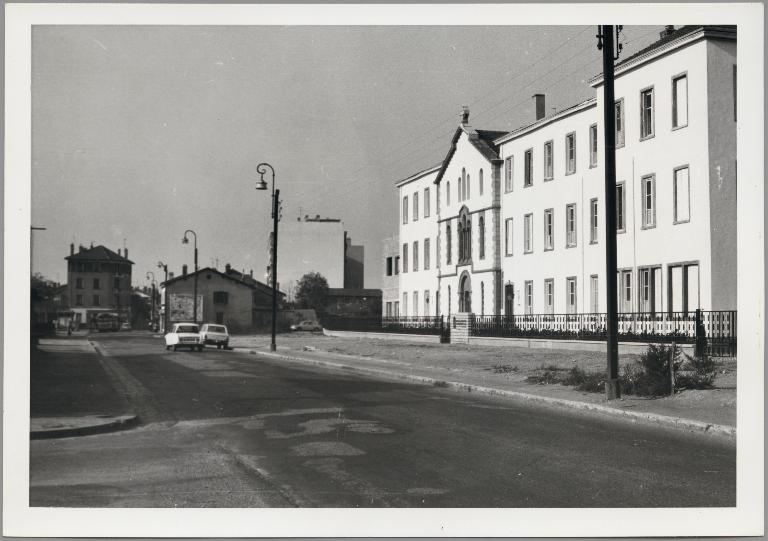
237,311
390,289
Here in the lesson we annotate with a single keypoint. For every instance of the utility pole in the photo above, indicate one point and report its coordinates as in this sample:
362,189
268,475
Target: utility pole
605,37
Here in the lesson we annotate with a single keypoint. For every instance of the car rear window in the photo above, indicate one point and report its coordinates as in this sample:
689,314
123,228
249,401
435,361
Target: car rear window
217,328
186,328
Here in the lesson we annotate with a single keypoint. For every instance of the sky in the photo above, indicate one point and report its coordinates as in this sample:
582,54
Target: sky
142,132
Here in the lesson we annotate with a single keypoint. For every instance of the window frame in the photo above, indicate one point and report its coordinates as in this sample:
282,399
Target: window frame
593,146
549,246
447,193
480,181
646,223
405,209
571,135
528,233
594,293
549,296
416,206
675,219
427,261
568,281
620,103
481,235
528,297
571,236
528,168
675,78
415,308
404,259
652,133
426,203
508,231
415,262
594,221
219,295
509,174
623,202
448,243
549,167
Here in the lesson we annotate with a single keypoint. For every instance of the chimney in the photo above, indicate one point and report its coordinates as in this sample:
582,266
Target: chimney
183,270
125,253
668,29
250,273
464,115
80,248
540,106
118,252
91,244
170,275
72,248
227,268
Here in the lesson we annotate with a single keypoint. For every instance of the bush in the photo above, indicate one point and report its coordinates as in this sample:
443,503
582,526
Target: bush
696,373
545,376
592,382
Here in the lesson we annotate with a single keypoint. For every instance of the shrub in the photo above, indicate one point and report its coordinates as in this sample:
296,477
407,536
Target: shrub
696,373
544,376
592,382
504,368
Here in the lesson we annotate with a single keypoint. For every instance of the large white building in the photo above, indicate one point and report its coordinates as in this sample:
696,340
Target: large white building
512,223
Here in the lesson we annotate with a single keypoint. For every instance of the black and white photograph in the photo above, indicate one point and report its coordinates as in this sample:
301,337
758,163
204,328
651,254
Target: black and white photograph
346,270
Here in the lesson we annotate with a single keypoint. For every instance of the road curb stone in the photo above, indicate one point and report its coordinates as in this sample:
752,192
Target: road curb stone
655,418
99,425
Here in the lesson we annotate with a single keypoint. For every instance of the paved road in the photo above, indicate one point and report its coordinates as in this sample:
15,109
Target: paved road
228,429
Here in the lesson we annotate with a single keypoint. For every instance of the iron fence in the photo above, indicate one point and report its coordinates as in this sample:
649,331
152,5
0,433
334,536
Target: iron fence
713,330
433,325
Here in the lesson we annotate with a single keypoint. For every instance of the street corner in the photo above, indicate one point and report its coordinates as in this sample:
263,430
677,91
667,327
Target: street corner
67,427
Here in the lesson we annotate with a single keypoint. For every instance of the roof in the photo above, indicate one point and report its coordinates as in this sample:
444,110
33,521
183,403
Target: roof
683,35
97,253
248,282
586,104
420,174
482,140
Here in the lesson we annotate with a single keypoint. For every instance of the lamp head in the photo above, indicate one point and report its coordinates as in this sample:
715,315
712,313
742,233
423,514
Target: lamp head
185,240
261,184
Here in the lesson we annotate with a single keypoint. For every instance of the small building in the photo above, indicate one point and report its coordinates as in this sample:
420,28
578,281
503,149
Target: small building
98,280
353,302
231,298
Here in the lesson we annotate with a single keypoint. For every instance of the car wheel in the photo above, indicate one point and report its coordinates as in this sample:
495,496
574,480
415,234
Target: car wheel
175,347
199,348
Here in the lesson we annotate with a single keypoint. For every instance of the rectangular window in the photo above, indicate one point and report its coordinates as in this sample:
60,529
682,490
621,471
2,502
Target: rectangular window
570,289
529,167
116,283
79,283
426,303
78,300
570,153
96,283
415,206
620,206
593,225
448,243
405,304
397,265
529,297
620,123
593,294
426,202
220,297
415,255
96,300
396,309
426,254
415,303
680,101
682,195
405,209
625,291
508,236
509,165
405,257
388,312
528,233
448,194
549,296
570,225
646,113
649,201
593,145
647,293
548,161
549,230
389,266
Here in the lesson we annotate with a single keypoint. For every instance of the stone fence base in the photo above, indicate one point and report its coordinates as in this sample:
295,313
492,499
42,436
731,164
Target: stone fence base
578,345
428,338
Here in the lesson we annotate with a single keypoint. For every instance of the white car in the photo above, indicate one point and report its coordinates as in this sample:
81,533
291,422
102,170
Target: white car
184,335
307,325
215,334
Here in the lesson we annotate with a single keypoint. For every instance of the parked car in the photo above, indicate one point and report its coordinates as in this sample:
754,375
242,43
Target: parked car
184,335
307,325
125,326
215,334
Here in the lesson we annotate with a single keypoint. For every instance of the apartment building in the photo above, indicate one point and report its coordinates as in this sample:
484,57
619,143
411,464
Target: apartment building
390,285
538,219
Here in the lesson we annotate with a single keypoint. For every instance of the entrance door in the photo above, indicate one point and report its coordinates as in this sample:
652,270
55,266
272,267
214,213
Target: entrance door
509,300
465,294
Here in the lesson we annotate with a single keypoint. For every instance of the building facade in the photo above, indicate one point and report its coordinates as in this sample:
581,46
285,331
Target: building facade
390,282
98,280
520,216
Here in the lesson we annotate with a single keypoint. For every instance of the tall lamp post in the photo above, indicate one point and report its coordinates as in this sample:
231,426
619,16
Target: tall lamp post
152,313
161,265
262,185
185,240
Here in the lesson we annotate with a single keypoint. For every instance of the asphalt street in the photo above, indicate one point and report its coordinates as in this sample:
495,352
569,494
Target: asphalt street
229,429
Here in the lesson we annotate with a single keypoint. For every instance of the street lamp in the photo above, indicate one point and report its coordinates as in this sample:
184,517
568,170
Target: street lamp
161,265
185,240
262,185
152,313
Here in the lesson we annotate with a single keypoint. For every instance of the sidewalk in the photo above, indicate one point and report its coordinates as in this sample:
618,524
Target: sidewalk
503,370
70,393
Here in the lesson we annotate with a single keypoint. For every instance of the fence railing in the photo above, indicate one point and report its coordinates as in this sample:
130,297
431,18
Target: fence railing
408,325
715,330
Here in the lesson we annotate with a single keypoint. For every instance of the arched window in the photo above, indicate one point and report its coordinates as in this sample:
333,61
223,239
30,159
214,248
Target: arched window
465,236
481,240
481,182
468,186
448,243
458,191
463,184
448,194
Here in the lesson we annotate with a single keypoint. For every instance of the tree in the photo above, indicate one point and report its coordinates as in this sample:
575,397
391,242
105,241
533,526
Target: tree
312,292
41,288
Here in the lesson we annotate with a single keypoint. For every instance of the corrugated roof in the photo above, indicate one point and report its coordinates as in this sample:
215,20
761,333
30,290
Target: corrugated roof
98,253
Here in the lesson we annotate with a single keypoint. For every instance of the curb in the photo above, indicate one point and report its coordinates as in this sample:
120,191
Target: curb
654,418
114,424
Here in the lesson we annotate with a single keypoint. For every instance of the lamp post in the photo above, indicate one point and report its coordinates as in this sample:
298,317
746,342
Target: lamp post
185,240
262,185
161,265
152,313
